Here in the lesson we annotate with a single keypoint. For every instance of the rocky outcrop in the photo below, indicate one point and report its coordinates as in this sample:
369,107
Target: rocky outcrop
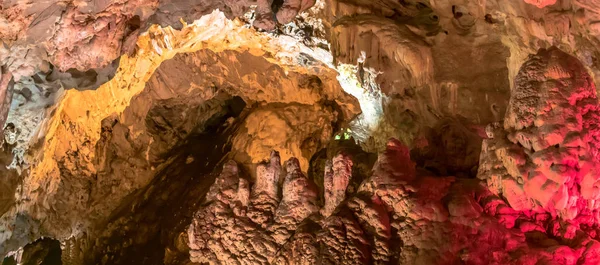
235,228
269,223
396,217
543,158
94,169
79,44
439,59
129,167
86,35
402,216
114,145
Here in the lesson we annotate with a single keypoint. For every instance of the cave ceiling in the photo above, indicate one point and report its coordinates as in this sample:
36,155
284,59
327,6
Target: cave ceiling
299,132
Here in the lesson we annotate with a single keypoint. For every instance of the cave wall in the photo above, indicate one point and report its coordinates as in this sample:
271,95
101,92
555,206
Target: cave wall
111,112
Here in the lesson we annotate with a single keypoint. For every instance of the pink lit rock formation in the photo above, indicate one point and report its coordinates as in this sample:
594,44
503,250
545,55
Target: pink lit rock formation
397,217
142,132
544,159
541,3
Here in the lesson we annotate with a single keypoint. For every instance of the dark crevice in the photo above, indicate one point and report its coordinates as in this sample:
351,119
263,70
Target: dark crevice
134,23
45,251
276,5
165,207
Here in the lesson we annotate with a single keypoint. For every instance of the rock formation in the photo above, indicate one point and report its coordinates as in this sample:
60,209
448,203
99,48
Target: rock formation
299,132
397,216
544,157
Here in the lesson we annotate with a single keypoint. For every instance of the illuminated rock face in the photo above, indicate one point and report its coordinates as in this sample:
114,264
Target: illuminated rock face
396,217
234,227
401,216
545,157
87,35
129,137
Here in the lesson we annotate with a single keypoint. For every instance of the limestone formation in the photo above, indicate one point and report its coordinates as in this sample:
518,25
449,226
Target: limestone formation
337,177
403,217
299,132
543,159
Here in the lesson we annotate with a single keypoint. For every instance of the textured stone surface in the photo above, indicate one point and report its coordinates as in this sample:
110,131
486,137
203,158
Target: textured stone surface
336,179
90,34
544,158
99,152
396,217
130,167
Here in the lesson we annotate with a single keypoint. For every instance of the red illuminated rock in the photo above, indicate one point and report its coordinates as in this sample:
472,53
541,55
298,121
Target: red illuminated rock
396,216
544,159
541,3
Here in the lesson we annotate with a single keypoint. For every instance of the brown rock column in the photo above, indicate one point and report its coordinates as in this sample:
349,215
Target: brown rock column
336,179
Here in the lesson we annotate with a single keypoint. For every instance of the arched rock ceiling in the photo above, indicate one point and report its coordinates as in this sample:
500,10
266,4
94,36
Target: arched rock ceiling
104,102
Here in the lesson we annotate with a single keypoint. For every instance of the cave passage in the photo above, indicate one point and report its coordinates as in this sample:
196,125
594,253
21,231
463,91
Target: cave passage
162,210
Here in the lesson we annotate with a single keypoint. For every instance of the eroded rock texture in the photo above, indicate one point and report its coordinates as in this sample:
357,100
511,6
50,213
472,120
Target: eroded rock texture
79,44
263,132
400,216
544,158
84,35
396,217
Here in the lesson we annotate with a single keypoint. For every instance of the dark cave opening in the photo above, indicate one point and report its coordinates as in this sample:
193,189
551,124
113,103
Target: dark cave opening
44,251
276,5
157,216
9,261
